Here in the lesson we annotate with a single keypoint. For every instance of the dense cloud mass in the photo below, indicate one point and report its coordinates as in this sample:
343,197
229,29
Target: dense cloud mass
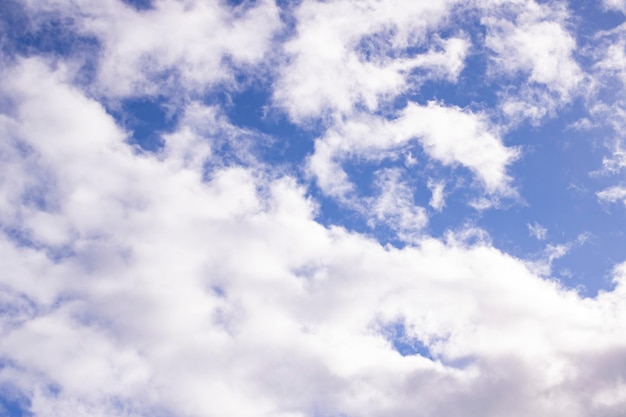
281,209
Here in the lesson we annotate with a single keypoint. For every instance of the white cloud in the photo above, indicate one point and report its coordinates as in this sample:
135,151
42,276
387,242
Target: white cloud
543,49
396,207
131,322
454,136
613,194
609,80
141,284
532,40
607,108
449,135
174,45
349,53
612,58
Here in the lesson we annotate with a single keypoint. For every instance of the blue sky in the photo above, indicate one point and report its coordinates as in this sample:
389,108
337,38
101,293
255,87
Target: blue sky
312,208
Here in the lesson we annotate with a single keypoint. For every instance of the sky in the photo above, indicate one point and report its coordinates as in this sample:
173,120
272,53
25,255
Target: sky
340,208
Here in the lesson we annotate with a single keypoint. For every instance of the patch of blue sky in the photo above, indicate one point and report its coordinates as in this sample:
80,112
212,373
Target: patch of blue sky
10,408
23,35
13,403
590,17
218,291
403,343
147,119
252,109
23,238
15,308
140,4
20,237
333,213
240,3
555,180
469,92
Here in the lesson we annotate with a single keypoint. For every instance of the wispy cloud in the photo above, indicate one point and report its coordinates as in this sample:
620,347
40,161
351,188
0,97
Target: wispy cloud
537,231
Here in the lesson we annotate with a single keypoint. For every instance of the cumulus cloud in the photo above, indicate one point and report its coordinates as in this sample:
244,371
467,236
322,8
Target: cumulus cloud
450,135
349,53
196,281
190,45
536,46
532,40
176,290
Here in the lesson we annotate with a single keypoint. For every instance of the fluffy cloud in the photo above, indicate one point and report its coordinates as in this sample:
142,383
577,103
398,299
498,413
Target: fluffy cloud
348,53
449,135
197,281
396,207
536,43
190,298
532,40
190,45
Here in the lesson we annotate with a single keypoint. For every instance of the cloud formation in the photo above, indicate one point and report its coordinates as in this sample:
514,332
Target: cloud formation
202,278
174,45
349,53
